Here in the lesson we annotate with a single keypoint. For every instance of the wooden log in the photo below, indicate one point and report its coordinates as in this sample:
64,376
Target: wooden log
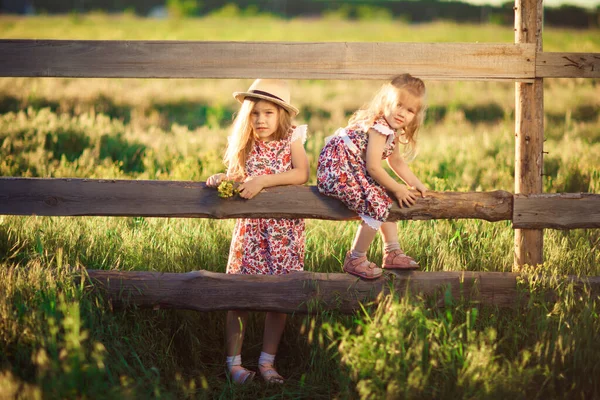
567,65
299,292
529,132
290,60
91,197
304,292
558,211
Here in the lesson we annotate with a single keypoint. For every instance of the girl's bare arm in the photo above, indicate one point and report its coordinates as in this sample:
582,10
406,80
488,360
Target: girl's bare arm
401,168
374,151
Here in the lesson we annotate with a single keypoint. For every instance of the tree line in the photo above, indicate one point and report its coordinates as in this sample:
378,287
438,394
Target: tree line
410,11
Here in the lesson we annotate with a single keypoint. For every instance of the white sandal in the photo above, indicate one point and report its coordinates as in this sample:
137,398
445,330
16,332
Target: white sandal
242,375
270,375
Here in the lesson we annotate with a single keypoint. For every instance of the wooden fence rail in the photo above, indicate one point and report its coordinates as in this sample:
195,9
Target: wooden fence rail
290,60
303,292
91,197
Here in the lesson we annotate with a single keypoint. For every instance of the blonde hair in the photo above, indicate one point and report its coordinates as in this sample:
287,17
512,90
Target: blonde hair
366,116
242,137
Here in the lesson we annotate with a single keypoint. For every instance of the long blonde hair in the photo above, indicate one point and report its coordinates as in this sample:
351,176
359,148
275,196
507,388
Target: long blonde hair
366,116
242,137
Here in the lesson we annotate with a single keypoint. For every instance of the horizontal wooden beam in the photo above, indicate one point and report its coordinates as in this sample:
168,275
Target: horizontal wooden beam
91,197
301,292
567,65
558,211
291,60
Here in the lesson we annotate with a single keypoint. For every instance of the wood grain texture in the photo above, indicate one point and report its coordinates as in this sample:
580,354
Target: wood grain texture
529,131
303,292
91,197
290,60
568,65
558,211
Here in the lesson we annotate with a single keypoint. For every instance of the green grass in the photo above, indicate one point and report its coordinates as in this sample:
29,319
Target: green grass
58,339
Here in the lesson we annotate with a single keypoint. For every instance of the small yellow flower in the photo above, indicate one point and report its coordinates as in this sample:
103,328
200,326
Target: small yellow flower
227,189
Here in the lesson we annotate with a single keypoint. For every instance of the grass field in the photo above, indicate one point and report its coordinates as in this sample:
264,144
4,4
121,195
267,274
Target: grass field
58,340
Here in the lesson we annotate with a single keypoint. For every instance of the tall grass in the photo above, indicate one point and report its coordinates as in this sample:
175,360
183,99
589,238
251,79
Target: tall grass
61,339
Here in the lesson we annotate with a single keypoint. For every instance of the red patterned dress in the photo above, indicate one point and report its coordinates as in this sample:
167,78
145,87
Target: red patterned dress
342,172
268,246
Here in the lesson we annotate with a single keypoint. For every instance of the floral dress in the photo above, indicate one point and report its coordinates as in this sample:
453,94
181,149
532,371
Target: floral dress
267,245
342,172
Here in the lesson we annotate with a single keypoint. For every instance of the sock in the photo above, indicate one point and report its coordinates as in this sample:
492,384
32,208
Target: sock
389,246
266,359
234,361
356,254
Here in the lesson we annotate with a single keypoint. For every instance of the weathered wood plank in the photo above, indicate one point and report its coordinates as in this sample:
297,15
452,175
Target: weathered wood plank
567,65
303,292
291,60
81,197
558,211
529,131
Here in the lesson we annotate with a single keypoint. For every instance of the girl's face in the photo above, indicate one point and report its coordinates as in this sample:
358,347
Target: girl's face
264,120
401,109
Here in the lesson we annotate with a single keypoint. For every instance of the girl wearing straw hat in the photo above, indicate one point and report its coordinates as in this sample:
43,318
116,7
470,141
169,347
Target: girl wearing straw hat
264,150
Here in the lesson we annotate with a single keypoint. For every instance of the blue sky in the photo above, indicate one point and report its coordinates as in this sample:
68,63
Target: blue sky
551,3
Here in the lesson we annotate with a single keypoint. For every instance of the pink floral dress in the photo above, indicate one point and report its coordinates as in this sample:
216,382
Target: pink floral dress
342,172
269,246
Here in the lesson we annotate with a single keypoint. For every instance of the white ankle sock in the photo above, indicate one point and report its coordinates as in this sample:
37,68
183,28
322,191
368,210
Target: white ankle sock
234,361
266,359
389,246
356,254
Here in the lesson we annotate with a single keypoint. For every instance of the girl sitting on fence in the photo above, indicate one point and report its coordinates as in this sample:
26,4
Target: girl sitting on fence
350,170
264,150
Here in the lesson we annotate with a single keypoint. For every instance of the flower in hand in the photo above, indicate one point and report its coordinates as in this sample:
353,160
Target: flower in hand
227,189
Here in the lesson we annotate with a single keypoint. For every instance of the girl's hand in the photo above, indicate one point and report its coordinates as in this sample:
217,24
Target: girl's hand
405,197
215,180
420,188
251,187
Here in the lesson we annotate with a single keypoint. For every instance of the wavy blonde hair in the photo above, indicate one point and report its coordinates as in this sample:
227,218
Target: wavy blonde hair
242,137
389,92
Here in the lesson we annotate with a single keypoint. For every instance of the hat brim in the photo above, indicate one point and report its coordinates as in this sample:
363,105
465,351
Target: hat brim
241,96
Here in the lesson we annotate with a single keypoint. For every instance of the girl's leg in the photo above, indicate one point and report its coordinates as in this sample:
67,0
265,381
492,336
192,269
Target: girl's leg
389,235
364,237
235,327
274,325
356,262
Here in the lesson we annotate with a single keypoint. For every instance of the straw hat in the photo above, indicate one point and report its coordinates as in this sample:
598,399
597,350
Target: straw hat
274,90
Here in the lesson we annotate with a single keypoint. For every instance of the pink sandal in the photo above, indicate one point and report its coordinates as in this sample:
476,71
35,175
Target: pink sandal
361,267
396,259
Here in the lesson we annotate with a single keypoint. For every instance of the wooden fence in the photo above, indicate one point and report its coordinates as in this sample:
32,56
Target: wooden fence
530,211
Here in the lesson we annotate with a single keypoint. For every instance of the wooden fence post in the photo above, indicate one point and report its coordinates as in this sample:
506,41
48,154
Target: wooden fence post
529,131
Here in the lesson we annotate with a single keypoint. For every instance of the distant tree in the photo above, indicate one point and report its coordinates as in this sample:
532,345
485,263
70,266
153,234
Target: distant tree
183,8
